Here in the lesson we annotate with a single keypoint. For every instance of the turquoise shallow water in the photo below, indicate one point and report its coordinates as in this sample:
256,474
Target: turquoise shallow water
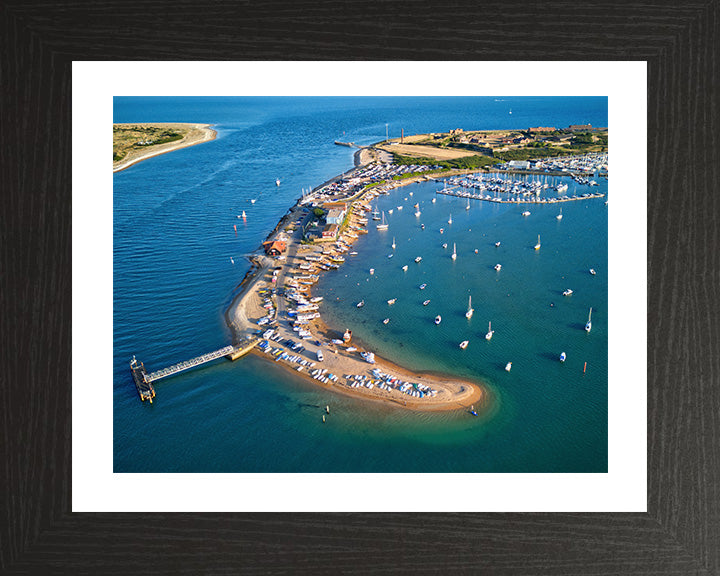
173,240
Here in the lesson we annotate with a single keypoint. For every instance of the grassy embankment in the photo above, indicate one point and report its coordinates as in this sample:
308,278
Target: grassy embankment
129,138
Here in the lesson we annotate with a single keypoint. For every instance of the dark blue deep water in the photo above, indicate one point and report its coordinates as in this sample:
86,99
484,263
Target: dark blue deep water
173,278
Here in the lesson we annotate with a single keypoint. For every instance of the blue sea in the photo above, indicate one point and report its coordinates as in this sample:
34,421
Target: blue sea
174,237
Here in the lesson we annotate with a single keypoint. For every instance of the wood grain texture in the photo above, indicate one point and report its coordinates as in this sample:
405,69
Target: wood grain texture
679,535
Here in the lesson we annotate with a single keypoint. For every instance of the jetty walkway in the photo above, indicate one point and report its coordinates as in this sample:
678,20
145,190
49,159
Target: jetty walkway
143,379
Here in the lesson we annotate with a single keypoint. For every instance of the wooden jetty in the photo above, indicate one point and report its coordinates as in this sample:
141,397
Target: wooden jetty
144,380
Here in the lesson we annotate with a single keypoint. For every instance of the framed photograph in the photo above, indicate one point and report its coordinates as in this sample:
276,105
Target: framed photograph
341,240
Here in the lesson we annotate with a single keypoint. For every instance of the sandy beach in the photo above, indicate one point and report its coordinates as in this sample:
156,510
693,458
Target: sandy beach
353,375
198,134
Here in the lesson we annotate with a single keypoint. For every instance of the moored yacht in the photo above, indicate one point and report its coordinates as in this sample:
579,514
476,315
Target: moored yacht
498,267
537,246
490,331
438,319
588,326
454,254
383,225
470,310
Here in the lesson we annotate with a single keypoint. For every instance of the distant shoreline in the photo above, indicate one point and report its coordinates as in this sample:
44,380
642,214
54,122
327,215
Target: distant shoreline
199,134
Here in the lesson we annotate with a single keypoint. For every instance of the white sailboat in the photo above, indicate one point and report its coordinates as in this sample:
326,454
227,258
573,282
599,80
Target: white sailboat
537,246
450,219
559,216
468,205
470,310
383,225
393,244
490,331
454,254
588,326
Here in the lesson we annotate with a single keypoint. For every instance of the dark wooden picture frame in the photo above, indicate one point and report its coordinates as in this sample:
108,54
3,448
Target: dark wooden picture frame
680,533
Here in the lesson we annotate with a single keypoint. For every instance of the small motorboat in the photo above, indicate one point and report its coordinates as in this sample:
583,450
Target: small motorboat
360,304
418,259
562,356
526,213
567,292
423,286
508,367
497,244
372,271
592,271
438,319
405,268
498,267
386,320
391,301
464,344
426,302
444,245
